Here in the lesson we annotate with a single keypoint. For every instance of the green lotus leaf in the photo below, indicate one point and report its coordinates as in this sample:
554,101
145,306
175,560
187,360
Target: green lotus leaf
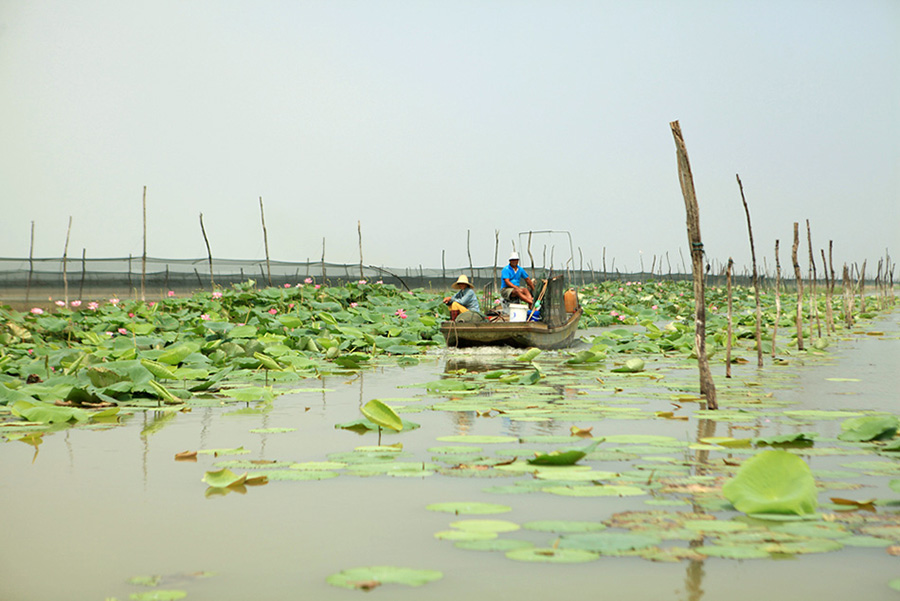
564,526
633,365
608,542
464,535
529,355
160,595
773,482
223,478
874,427
595,491
563,457
550,555
177,353
494,544
485,525
479,439
383,575
734,551
382,415
785,439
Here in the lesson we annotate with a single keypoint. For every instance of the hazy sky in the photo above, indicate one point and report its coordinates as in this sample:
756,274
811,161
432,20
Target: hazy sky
423,120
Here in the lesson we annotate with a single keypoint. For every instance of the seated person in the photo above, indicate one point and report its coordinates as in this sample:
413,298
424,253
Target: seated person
511,287
464,302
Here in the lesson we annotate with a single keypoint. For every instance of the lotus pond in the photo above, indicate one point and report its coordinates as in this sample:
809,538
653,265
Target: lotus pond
227,446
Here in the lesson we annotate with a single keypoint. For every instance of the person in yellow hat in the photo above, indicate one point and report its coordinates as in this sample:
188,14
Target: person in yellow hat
463,301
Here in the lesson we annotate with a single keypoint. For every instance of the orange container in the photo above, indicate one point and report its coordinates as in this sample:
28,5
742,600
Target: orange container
571,301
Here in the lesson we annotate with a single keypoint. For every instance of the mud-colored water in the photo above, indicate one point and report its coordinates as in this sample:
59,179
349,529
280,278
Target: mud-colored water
94,507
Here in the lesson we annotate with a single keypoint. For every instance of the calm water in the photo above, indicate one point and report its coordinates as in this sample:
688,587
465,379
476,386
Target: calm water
94,508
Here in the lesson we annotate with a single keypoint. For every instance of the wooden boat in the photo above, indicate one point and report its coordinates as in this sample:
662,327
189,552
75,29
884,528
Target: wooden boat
555,330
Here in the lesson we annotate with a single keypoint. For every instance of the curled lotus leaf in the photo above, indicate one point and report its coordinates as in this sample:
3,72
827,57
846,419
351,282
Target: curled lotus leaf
773,482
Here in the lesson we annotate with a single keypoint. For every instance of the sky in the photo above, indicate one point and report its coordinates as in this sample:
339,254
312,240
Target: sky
436,128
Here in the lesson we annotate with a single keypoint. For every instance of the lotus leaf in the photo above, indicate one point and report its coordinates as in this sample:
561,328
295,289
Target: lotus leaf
382,415
469,508
550,555
562,457
866,428
608,542
633,365
494,544
383,575
529,355
159,595
773,482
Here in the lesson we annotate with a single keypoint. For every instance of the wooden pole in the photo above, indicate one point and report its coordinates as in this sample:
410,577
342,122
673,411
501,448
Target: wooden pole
530,256
813,302
707,386
30,265
359,235
862,288
829,310
323,260
777,298
469,251
798,319
212,282
759,349
262,216
83,274
443,265
144,254
65,258
496,258
728,335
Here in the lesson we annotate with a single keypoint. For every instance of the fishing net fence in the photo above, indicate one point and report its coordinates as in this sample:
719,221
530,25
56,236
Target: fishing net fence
41,278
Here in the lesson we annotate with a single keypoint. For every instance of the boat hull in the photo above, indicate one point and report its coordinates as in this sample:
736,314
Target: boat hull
516,334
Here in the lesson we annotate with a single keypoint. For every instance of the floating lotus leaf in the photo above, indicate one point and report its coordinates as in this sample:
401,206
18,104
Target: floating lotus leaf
223,478
874,427
588,475
318,465
160,595
786,439
633,365
479,439
595,491
529,355
549,555
299,475
464,535
383,575
469,508
485,525
734,551
714,525
382,415
813,529
773,482
562,457
608,542
272,430
727,441
496,544
564,526
805,546
820,414
454,450
865,541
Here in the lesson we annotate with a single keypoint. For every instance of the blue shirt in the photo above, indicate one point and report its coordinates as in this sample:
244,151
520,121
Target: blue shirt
515,277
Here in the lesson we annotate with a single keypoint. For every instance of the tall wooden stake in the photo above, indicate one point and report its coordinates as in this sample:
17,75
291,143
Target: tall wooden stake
359,235
64,260
30,265
728,334
777,298
799,316
707,386
759,349
144,254
814,302
212,282
469,251
262,216
496,258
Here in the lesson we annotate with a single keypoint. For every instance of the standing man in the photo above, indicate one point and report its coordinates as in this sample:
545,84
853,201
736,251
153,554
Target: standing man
511,287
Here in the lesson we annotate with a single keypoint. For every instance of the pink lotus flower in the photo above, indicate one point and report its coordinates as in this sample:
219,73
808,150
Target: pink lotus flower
75,303
114,301
654,307
380,282
216,294
621,318
123,331
613,313
307,281
290,305
151,304
93,305
621,290
131,315
400,313
170,293
204,317
354,304
273,311
287,285
60,303
37,311
361,282
318,286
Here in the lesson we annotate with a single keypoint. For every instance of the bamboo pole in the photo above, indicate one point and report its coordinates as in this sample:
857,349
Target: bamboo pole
359,234
212,282
861,287
831,270
759,349
30,265
814,302
469,251
707,386
443,265
777,298
496,258
847,297
728,334
829,310
262,216
83,274
324,269
530,257
799,315
65,258
144,254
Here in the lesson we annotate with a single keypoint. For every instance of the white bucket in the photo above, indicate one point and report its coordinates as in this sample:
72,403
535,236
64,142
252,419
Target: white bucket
518,312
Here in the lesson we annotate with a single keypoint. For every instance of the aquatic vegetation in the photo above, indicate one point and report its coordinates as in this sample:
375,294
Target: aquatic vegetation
773,482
